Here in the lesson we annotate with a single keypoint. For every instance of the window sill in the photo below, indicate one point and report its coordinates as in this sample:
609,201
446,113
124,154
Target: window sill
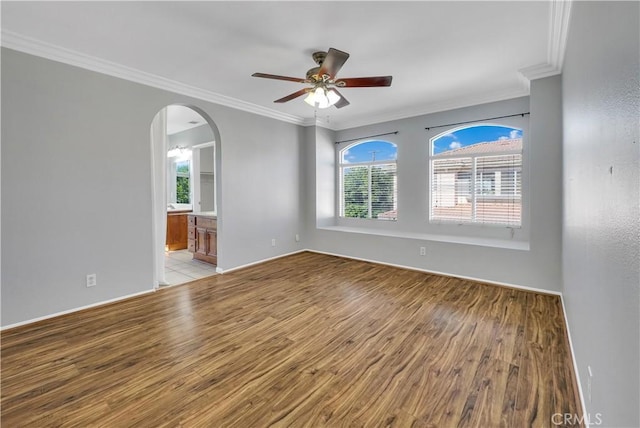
450,239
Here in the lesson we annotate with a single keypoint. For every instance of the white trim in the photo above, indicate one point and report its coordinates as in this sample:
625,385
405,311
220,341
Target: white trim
81,308
53,52
222,271
558,31
470,278
203,145
539,71
449,239
576,373
559,13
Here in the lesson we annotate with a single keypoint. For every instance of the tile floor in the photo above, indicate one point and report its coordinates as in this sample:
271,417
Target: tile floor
179,267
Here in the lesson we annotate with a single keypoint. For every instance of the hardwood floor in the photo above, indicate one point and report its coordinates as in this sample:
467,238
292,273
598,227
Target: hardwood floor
306,340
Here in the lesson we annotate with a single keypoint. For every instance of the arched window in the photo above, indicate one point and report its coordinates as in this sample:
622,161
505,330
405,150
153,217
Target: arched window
368,184
476,176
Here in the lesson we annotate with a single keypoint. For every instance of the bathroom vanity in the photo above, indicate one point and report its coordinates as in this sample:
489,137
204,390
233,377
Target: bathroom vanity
202,234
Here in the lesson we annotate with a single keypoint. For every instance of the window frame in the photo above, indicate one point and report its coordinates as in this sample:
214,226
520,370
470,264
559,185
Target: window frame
186,175
173,177
369,165
472,222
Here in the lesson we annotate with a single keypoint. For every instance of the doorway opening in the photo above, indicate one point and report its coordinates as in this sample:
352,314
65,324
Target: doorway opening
184,181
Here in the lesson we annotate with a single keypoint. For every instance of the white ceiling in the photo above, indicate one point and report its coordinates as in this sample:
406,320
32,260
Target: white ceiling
441,55
180,118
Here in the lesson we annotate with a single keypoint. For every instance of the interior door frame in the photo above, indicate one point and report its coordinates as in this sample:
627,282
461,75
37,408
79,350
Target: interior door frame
159,151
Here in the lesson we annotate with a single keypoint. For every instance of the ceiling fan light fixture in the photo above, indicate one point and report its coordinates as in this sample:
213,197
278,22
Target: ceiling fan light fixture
333,97
322,79
310,99
322,98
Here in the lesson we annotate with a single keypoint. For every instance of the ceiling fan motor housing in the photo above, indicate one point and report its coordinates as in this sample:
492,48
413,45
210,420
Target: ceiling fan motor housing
312,73
319,57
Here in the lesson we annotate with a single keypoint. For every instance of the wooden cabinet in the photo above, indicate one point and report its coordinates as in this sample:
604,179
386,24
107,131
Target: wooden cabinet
212,243
177,231
201,241
202,235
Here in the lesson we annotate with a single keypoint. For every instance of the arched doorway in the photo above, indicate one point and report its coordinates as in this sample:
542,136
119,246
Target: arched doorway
185,148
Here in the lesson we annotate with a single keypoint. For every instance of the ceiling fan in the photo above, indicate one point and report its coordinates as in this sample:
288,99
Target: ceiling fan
323,91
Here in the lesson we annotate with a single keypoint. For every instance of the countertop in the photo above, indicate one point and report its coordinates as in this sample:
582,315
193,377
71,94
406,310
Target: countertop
207,214
174,207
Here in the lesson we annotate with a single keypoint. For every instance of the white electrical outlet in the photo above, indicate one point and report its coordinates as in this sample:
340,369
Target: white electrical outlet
297,238
423,251
92,280
273,242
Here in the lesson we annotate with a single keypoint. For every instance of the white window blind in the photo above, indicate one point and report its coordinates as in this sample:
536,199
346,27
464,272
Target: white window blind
498,189
369,191
368,187
383,191
355,191
452,189
477,188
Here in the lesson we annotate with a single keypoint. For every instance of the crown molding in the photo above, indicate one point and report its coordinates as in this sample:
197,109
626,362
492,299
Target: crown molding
539,71
323,121
46,50
559,13
558,31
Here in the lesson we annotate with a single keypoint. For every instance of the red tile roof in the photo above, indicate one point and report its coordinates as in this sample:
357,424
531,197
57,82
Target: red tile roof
509,144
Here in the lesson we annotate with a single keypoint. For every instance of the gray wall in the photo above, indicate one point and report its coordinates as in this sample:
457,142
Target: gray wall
601,232
529,258
76,185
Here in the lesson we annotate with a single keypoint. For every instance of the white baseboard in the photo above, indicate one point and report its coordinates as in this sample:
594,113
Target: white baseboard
575,363
70,311
501,284
220,270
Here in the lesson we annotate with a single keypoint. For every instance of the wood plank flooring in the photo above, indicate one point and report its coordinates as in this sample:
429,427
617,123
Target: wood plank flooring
307,340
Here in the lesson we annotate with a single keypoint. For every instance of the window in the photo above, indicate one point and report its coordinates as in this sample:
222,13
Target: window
476,176
183,185
368,184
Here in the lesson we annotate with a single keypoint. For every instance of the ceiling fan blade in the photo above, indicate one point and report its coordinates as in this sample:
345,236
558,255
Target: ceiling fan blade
290,97
342,102
364,82
333,62
276,77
